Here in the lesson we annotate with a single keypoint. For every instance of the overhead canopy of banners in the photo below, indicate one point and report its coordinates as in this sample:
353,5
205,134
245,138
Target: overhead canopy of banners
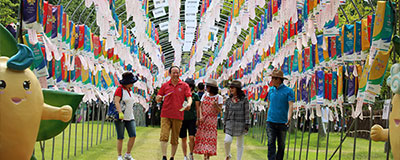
331,56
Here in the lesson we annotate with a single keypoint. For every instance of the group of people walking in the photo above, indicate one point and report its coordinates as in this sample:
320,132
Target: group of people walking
184,111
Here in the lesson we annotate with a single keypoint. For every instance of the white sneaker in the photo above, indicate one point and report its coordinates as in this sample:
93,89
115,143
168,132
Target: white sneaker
191,156
128,157
185,158
120,158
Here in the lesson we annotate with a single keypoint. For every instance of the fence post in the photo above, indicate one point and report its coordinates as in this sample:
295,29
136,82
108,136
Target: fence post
295,137
327,139
355,138
309,134
91,137
288,144
302,135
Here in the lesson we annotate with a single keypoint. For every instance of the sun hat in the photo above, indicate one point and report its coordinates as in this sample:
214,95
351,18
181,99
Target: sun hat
128,78
278,74
211,83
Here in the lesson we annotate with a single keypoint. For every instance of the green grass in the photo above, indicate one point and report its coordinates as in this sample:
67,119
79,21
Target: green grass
362,146
147,146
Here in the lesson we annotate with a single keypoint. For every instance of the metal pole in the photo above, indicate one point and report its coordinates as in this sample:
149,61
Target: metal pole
69,138
341,8
52,149
42,146
62,146
102,122
341,136
97,121
79,6
302,136
88,128
342,140
76,134
327,140
359,15
355,138
318,141
295,137
91,141
20,17
309,134
83,124
288,144
370,125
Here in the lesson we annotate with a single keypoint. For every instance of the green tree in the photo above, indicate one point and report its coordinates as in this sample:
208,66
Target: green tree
8,11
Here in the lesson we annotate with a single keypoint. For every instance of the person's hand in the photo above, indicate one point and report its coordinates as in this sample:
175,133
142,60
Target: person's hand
289,120
65,113
158,98
187,108
121,115
246,128
377,133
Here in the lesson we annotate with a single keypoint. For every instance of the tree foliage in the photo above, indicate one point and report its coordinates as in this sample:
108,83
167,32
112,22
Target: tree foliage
8,11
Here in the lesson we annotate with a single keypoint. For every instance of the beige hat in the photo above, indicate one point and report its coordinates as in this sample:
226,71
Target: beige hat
277,73
211,83
236,84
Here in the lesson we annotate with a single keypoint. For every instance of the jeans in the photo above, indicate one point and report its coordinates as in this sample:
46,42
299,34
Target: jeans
240,145
276,131
129,125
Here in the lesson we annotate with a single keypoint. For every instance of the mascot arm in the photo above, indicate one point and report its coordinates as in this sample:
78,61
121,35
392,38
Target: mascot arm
379,134
55,113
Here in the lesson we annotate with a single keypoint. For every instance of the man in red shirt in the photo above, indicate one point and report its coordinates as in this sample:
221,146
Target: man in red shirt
174,93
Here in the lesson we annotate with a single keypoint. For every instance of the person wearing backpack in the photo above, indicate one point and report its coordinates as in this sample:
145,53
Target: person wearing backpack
123,99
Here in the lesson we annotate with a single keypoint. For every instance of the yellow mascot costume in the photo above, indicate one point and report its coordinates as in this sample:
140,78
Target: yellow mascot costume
21,101
392,134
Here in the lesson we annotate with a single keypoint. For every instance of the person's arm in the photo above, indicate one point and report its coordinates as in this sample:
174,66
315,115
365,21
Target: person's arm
189,104
246,112
226,111
117,103
160,95
290,112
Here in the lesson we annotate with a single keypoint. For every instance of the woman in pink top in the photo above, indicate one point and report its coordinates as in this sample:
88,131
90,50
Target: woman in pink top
206,136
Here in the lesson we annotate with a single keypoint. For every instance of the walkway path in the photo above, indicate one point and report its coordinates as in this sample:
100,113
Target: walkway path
147,147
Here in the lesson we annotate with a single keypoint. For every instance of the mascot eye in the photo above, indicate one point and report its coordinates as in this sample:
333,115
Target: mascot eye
27,85
2,84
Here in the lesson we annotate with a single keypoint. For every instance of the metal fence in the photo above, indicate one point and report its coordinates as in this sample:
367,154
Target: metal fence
300,131
89,127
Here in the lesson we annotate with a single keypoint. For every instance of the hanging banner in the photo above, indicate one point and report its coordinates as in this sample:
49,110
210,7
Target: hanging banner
163,26
320,84
160,3
377,72
351,84
159,12
348,43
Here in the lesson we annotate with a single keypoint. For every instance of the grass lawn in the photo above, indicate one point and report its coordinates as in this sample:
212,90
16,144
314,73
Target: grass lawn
147,146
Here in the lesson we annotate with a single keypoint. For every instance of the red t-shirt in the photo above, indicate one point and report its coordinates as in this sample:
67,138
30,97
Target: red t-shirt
174,98
118,91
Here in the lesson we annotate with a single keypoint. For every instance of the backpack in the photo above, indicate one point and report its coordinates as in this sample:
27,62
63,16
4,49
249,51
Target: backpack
112,113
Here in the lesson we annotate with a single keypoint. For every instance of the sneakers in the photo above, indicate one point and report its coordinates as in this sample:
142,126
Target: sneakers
191,156
164,158
185,158
128,157
120,158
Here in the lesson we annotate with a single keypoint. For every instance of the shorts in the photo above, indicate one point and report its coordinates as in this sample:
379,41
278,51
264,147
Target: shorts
129,125
188,125
168,124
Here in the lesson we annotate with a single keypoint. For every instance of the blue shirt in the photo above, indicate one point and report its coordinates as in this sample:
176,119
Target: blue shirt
279,103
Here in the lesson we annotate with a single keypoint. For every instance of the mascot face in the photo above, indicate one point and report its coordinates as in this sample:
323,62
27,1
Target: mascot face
20,111
394,126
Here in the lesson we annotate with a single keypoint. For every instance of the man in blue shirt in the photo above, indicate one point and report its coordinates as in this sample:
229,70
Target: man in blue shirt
280,98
